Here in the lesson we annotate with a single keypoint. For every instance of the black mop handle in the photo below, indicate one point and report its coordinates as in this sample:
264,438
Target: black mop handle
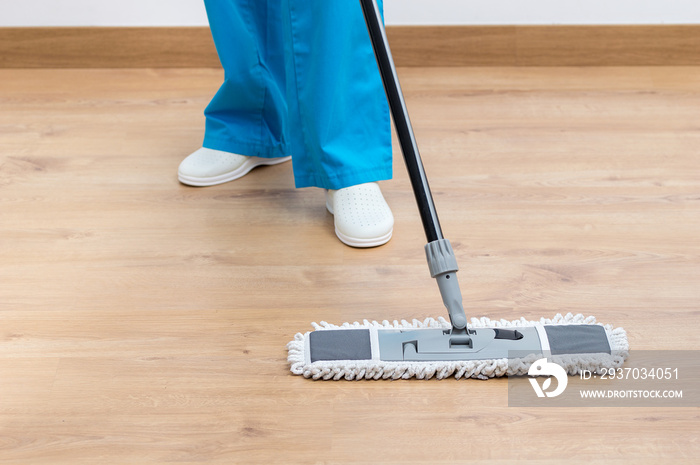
404,131
441,258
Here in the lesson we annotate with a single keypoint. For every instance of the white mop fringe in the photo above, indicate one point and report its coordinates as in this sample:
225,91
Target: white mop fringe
479,369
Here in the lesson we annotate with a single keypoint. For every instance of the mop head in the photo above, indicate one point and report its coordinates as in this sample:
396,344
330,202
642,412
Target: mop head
374,368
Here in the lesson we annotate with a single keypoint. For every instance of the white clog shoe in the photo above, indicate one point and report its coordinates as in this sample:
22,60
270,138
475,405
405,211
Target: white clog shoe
362,216
207,167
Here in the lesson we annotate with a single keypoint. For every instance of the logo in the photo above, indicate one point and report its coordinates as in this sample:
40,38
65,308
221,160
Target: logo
544,368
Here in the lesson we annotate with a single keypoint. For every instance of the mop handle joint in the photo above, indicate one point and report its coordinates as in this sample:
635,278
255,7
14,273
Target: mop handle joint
443,267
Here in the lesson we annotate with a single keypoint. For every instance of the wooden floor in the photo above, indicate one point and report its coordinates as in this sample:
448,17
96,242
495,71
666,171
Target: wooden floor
143,321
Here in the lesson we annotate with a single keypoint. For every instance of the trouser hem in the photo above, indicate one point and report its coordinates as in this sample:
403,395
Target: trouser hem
247,148
343,180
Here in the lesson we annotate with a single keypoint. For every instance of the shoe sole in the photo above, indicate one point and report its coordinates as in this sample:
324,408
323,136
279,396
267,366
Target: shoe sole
363,243
245,168
360,242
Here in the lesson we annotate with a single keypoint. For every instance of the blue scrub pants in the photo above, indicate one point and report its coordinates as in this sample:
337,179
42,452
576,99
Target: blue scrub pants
300,79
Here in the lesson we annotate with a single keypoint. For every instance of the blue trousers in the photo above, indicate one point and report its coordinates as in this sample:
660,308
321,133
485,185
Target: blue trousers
300,79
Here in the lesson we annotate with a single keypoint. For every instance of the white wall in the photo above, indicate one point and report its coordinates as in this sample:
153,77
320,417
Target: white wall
398,12
492,12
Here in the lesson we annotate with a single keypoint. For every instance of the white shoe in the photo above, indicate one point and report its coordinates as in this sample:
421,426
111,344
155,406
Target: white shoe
207,167
362,216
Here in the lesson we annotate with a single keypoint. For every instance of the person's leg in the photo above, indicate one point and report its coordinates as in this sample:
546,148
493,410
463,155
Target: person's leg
340,126
247,118
339,118
248,114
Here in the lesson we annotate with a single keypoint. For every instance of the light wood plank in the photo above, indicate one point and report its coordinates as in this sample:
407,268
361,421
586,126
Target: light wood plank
143,321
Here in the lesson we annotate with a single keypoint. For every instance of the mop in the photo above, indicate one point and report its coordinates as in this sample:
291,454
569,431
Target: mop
480,348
